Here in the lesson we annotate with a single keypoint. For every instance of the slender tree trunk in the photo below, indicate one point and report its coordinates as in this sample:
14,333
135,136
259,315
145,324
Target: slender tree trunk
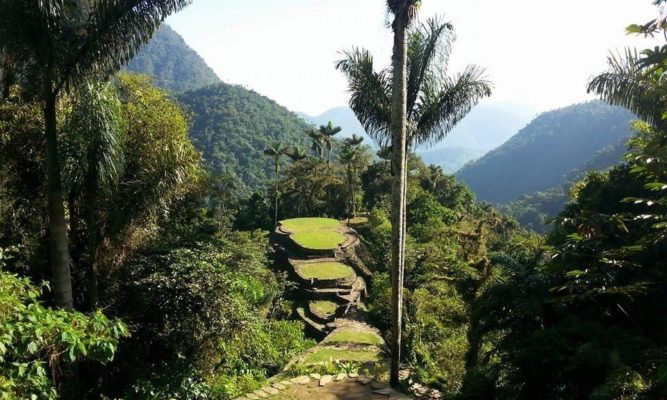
399,140
58,242
275,187
94,272
351,183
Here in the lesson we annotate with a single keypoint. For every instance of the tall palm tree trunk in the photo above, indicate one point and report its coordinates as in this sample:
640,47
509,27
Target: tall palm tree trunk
353,199
58,242
275,187
399,141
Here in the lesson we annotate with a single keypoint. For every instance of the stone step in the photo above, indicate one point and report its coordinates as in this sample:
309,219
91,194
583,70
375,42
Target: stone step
321,328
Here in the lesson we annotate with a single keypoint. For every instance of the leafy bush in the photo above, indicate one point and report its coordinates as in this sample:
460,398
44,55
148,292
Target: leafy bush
202,315
34,339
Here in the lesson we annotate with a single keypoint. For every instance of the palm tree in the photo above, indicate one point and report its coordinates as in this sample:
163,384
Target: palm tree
634,82
412,103
328,132
349,156
276,150
55,44
297,153
436,101
434,178
317,142
94,162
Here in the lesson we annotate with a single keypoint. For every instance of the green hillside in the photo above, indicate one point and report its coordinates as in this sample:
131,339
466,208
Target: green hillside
546,151
535,210
171,63
232,126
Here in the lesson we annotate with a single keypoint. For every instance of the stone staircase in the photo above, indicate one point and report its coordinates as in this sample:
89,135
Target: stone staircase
332,290
330,285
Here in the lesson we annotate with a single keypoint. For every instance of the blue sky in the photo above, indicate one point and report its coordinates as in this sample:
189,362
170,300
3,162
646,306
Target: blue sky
538,53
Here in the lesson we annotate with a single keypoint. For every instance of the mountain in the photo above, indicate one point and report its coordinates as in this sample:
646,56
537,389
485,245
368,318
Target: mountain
487,126
340,116
171,63
534,210
484,128
451,159
232,126
541,155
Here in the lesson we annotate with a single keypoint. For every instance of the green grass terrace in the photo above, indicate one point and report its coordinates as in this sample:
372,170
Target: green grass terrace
327,354
352,335
323,308
323,270
306,224
319,239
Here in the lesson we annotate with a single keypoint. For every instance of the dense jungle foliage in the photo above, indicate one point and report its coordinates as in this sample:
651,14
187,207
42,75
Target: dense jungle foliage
534,159
176,293
136,197
171,63
232,125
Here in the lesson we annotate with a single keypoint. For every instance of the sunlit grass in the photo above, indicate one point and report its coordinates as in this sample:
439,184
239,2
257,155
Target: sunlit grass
319,239
324,270
353,336
323,307
328,354
304,224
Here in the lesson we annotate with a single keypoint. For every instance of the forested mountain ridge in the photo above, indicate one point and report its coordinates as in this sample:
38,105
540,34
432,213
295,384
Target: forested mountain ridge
232,126
171,63
486,127
536,210
541,155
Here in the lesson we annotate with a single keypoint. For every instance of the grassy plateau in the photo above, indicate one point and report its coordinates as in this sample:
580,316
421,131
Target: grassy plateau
318,239
306,224
324,270
323,307
328,354
354,336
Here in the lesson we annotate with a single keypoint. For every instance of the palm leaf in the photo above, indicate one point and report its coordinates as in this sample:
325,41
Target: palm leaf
428,52
444,103
626,84
370,93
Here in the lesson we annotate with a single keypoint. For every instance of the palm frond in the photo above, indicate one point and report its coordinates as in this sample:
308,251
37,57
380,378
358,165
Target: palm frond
370,93
626,84
94,139
411,7
429,47
115,31
444,102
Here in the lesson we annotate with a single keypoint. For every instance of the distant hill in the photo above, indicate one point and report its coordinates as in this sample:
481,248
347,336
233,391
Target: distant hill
171,63
451,159
534,210
340,116
232,126
486,127
541,155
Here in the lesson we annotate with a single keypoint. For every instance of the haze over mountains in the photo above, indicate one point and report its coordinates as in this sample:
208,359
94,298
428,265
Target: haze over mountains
541,155
232,125
487,126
